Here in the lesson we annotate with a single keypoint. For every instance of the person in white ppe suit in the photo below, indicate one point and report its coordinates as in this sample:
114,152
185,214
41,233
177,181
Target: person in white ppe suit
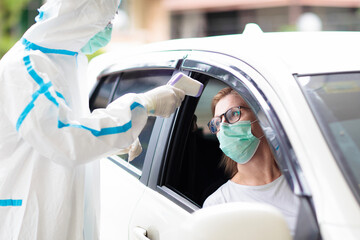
49,141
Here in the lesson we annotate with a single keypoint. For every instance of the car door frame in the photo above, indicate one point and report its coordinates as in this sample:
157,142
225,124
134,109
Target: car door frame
202,62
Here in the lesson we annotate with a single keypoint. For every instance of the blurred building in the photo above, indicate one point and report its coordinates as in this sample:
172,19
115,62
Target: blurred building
156,20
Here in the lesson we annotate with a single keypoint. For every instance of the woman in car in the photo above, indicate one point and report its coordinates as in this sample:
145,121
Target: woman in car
254,174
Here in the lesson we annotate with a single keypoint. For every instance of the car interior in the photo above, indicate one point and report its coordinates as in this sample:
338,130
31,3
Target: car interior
194,170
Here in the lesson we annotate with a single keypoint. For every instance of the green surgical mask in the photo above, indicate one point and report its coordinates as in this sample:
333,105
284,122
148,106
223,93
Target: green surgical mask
237,142
101,39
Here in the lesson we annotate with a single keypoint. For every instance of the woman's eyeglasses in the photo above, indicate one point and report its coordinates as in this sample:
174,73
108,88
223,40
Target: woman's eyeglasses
232,115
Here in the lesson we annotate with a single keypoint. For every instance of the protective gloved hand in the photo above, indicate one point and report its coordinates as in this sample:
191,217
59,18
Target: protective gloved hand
133,150
162,101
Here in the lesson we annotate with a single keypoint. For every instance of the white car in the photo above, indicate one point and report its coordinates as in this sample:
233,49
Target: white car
307,86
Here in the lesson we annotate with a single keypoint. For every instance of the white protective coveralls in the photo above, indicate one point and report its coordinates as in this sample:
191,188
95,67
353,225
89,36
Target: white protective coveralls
48,138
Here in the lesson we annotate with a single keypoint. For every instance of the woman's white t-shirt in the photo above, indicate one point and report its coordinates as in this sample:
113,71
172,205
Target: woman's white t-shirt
276,193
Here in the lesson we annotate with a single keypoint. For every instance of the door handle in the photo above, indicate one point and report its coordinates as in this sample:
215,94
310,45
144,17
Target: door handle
140,234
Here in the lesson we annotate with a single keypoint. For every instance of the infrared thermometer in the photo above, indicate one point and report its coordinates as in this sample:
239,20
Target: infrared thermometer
189,85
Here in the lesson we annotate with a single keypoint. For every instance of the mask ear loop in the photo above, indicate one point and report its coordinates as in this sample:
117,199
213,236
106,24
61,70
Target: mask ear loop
253,134
261,137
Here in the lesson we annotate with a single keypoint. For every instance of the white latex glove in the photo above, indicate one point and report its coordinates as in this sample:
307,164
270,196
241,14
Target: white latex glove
162,101
133,150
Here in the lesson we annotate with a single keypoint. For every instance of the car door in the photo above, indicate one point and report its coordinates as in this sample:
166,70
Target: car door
185,169
123,183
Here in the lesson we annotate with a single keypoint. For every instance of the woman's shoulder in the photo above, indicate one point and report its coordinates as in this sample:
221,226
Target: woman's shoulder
217,197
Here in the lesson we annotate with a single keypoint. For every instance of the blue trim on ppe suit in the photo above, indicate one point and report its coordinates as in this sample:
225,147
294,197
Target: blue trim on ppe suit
32,46
10,202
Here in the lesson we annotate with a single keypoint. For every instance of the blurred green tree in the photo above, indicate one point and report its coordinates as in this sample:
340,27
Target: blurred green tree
10,17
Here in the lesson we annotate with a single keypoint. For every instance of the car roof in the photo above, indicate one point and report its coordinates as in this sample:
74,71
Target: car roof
300,52
293,52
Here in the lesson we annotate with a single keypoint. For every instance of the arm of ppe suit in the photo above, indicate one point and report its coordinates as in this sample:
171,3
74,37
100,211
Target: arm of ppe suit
46,115
161,101
60,135
44,108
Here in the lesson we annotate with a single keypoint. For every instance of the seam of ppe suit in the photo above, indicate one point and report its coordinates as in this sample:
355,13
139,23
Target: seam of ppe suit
44,89
60,96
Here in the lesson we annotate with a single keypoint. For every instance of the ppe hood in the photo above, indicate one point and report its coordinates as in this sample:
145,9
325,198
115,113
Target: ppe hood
69,24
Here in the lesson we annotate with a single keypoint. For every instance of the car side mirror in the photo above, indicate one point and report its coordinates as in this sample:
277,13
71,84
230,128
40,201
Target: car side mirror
250,221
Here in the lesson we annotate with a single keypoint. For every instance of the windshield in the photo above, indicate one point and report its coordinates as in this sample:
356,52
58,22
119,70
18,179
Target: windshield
335,102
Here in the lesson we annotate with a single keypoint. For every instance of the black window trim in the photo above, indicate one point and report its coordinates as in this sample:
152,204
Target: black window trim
159,157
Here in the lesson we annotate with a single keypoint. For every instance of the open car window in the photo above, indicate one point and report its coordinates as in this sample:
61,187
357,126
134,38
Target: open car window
193,166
